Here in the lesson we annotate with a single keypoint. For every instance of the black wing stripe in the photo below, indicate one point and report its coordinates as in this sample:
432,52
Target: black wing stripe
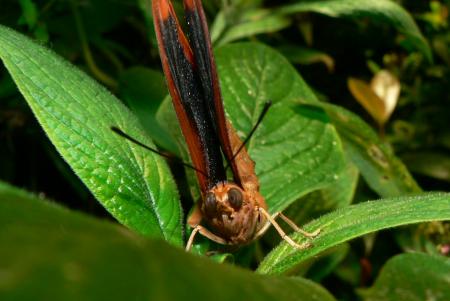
187,83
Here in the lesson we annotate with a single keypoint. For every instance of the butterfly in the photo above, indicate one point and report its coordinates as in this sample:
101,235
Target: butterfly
231,212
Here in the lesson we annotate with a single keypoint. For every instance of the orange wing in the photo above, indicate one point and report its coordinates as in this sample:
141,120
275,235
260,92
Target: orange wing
204,57
182,70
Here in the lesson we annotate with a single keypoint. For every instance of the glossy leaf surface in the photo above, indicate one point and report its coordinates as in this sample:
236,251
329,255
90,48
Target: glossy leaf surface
76,113
357,220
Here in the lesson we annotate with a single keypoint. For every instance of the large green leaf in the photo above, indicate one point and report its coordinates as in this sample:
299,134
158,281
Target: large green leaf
294,153
337,195
412,277
357,220
50,253
379,166
383,11
76,114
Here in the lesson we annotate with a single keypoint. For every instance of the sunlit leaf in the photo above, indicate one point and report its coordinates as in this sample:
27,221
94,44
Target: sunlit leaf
368,99
387,87
76,113
355,221
380,97
337,195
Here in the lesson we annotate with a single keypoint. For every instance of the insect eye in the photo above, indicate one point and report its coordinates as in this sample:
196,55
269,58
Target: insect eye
235,198
210,204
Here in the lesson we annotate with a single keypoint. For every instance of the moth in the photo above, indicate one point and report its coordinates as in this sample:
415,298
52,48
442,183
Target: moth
229,212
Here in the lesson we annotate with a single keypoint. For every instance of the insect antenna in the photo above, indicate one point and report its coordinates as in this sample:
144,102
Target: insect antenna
264,111
173,159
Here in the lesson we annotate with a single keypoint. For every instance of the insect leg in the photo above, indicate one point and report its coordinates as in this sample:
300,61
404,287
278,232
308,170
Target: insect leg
290,223
205,232
281,232
266,226
296,228
191,238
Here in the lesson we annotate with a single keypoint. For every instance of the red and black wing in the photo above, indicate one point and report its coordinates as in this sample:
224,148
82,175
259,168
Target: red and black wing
204,58
185,74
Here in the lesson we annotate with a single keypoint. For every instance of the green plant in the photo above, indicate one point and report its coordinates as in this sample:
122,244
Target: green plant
310,156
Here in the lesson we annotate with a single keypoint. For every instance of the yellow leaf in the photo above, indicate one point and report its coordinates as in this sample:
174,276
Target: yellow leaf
380,97
387,87
368,99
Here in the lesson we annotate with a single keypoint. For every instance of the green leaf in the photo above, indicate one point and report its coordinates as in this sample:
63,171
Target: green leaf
76,113
265,22
337,195
382,11
355,221
294,153
218,27
412,277
381,169
54,254
30,13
